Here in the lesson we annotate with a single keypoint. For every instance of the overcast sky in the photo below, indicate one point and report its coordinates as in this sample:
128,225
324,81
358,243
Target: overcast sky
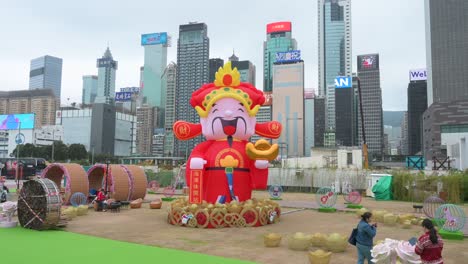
78,32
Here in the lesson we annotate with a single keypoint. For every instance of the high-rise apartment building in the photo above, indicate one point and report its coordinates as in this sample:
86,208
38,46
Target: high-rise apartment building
246,69
446,52
334,47
279,39
371,94
214,66
46,73
154,89
146,120
417,104
404,135
288,106
107,67
41,102
309,122
192,72
170,80
90,83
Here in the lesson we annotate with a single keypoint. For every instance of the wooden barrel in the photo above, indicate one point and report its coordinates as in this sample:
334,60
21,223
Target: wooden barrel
39,204
118,183
73,175
139,181
124,182
96,175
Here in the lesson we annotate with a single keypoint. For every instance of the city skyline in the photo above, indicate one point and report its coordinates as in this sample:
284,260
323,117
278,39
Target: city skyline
79,34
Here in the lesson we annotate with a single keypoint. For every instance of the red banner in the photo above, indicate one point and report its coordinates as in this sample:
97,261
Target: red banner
196,181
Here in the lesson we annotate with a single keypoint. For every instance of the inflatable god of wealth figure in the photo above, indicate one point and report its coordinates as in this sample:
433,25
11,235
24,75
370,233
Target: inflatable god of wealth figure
227,166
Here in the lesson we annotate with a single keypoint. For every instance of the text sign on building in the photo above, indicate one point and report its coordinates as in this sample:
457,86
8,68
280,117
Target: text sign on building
279,27
123,96
343,82
17,121
289,56
418,75
154,38
134,90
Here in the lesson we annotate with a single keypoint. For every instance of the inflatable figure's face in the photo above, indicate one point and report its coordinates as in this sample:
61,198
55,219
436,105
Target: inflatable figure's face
228,117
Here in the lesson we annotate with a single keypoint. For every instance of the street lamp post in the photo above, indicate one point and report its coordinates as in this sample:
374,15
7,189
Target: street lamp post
18,143
364,142
107,175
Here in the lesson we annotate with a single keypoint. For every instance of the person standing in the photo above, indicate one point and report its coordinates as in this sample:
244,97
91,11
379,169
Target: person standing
364,238
430,245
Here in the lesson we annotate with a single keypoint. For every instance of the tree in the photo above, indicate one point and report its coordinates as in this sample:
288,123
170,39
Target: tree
26,150
60,151
77,152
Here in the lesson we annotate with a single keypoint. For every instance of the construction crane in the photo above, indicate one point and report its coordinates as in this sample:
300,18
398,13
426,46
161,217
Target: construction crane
364,142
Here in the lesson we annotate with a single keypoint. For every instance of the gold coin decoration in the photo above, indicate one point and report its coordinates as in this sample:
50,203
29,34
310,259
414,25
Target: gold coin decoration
252,212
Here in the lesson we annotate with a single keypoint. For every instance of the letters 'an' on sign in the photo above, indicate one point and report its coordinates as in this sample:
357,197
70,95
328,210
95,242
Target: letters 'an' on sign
343,82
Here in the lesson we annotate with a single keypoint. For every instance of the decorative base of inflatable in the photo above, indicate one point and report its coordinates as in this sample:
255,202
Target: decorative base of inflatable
276,199
8,224
250,213
354,206
458,235
168,199
327,209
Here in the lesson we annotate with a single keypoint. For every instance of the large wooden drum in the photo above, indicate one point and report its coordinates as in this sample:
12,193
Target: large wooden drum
39,204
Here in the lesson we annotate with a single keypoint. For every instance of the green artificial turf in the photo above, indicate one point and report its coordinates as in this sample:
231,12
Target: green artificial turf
327,209
19,246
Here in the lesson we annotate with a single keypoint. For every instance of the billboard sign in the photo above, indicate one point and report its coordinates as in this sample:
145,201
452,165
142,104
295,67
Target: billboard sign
134,90
123,96
279,27
343,82
17,121
268,98
367,62
154,38
418,75
289,56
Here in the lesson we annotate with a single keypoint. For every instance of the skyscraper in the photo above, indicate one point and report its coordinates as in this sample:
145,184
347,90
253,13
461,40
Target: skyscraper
446,52
146,118
192,72
369,74
154,90
214,66
279,39
417,104
46,73
246,69
335,59
346,115
90,84
288,107
308,122
106,78
319,121
170,79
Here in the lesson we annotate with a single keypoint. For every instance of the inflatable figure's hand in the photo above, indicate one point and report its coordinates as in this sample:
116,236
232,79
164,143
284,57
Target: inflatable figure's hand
261,164
197,163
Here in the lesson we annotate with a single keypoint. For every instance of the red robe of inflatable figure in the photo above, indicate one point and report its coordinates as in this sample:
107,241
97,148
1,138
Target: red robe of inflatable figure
227,167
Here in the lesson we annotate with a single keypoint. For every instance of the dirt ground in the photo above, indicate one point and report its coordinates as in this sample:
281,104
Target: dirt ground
146,226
